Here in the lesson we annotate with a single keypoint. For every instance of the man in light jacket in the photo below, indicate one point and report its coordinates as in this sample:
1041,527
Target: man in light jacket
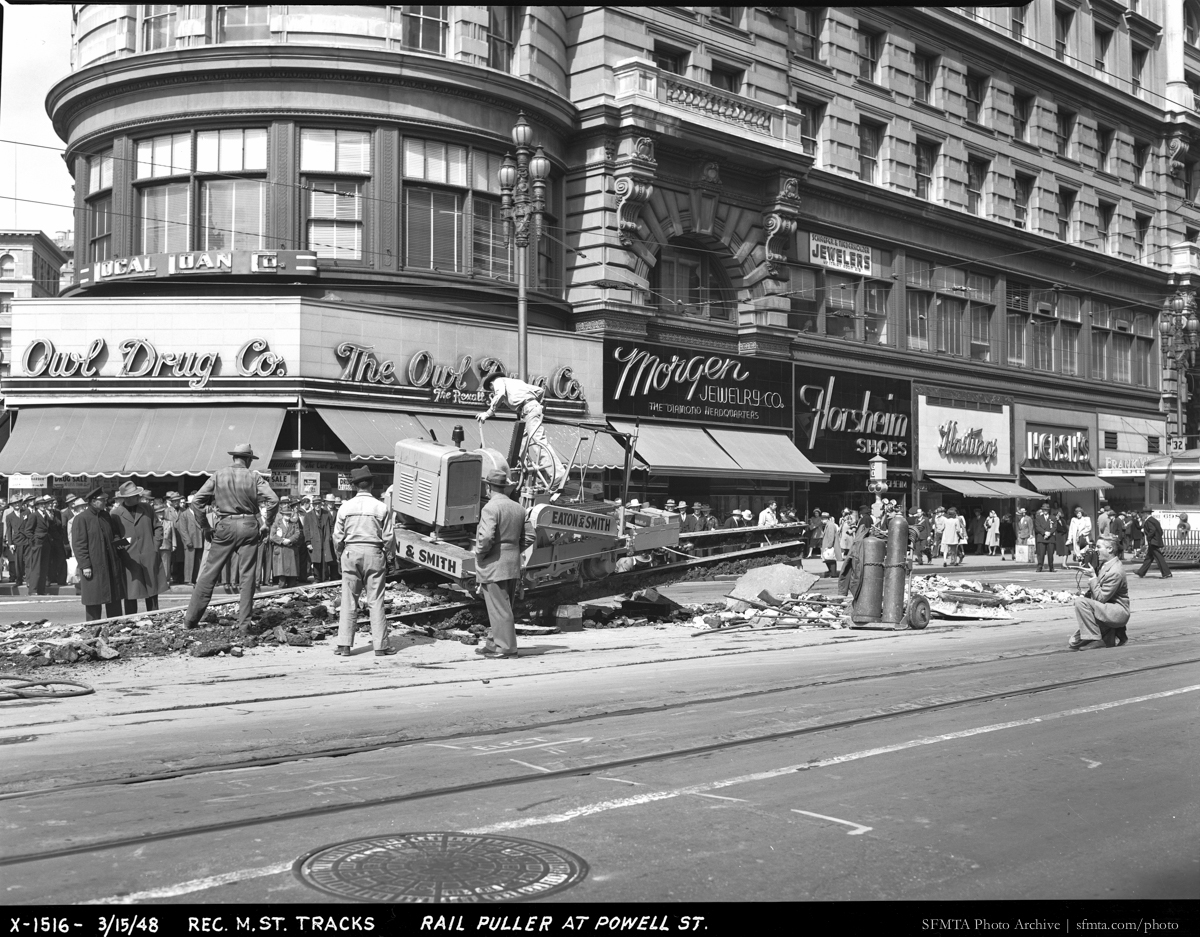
1104,612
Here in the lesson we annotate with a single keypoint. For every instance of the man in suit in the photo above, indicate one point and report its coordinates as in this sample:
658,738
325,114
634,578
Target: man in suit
37,533
191,540
93,542
1153,532
1043,532
362,537
498,541
18,538
1104,612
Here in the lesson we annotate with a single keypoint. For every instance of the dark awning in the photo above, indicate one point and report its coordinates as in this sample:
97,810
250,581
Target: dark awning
964,486
372,434
197,440
1046,483
1007,489
767,454
167,440
71,440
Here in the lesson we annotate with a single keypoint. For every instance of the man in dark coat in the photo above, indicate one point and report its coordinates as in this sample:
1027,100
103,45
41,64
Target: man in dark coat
1043,533
141,528
93,543
321,549
499,539
56,545
850,581
1153,532
191,541
17,539
37,528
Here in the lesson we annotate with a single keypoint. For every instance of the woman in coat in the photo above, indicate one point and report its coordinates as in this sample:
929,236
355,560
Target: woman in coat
140,527
1079,533
1006,534
287,540
992,532
829,546
951,538
1060,534
93,543
846,533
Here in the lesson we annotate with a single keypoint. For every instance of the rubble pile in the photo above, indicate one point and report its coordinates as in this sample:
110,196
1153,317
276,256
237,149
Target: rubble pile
644,607
293,619
775,595
987,593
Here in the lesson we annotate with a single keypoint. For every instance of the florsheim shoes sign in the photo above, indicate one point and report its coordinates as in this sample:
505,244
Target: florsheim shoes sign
659,382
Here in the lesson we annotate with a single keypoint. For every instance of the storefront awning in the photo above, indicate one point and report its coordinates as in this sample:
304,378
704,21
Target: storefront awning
680,450
135,440
71,440
197,440
372,434
965,486
767,454
596,450
1067,482
1007,489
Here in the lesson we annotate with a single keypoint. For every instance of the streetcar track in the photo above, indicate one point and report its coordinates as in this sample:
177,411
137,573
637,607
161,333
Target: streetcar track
581,771
369,748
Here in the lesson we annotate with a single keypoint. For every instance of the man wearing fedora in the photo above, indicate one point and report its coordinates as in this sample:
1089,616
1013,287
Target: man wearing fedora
94,544
191,540
142,531
245,506
37,528
498,541
362,535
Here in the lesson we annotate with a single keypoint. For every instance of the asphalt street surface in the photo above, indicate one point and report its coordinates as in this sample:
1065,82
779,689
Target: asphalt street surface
968,761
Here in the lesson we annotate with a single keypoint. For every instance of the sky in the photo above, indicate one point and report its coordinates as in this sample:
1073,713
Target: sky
35,53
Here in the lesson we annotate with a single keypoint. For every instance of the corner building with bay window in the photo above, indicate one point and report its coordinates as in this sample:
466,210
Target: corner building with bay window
860,208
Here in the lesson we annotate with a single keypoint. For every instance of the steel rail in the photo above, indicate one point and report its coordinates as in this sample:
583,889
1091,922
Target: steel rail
583,770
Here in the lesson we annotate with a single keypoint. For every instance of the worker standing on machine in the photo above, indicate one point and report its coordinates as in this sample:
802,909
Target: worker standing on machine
526,401
498,563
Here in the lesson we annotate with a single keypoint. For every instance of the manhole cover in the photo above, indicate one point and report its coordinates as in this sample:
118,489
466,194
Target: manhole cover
451,867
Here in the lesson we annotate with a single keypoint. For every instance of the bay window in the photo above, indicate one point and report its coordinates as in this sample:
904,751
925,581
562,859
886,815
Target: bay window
336,166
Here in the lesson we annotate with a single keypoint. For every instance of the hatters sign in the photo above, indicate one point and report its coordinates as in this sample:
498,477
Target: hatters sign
656,381
964,437
844,418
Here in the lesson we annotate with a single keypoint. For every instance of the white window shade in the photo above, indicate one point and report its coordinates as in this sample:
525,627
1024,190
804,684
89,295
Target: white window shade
353,151
317,153
232,215
163,215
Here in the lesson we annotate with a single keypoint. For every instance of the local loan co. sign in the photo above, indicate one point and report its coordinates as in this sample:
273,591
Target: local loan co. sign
141,359
659,382
191,263
458,384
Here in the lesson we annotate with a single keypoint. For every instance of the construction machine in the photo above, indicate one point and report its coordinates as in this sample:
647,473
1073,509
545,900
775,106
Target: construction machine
573,533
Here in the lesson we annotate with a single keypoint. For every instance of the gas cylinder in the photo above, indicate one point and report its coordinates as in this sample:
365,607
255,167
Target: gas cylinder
867,607
895,569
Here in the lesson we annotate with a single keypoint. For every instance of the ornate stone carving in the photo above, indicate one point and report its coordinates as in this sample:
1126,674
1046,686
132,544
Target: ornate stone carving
779,223
634,171
1177,150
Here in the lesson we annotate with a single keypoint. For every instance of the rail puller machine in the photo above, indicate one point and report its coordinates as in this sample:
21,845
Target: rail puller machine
885,597
574,534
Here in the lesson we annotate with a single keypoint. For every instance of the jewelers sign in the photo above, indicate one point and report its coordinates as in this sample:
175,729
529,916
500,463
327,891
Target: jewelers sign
836,254
664,383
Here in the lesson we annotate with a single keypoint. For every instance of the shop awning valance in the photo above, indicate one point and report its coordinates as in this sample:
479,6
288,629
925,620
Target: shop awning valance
770,455
596,450
167,440
372,434
695,451
71,440
964,486
680,450
1007,489
1046,483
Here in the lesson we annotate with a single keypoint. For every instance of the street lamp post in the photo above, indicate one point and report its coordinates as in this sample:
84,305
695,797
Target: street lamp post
1180,328
877,482
523,189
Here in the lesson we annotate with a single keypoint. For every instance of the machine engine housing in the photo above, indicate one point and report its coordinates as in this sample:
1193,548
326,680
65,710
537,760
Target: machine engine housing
437,484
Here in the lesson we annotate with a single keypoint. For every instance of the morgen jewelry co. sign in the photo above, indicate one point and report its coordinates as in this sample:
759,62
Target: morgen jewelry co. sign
659,382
